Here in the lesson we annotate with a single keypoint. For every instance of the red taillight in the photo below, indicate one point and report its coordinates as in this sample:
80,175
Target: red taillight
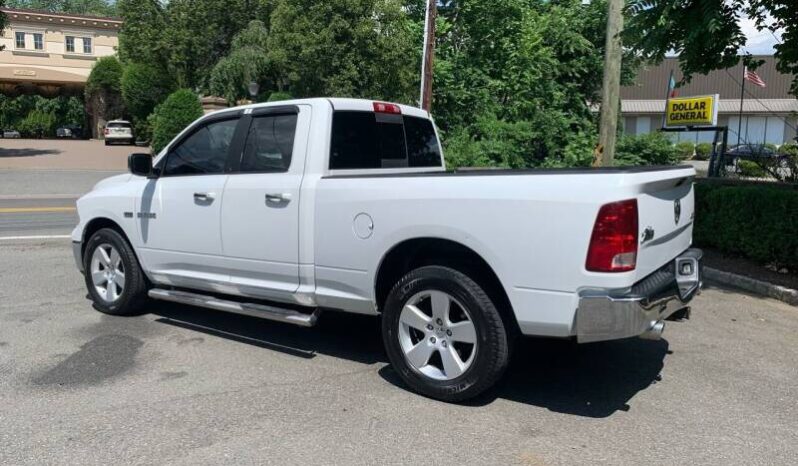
613,244
382,107
105,131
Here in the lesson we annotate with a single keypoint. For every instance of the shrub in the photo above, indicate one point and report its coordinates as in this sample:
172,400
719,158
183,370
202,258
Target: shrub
750,169
646,149
143,87
277,96
103,96
789,148
757,221
38,124
685,149
703,150
179,110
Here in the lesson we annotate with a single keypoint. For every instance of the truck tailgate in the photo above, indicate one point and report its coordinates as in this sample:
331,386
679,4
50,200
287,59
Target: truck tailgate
666,213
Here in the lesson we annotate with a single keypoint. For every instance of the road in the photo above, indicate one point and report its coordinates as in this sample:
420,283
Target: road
42,202
187,386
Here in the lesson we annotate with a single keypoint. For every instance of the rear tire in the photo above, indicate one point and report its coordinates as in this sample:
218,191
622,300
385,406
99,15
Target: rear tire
113,276
430,350
107,143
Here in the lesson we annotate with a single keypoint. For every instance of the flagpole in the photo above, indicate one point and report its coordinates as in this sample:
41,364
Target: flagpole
667,99
742,96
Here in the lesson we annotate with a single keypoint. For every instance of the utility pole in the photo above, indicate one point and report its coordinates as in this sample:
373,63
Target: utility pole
428,55
611,85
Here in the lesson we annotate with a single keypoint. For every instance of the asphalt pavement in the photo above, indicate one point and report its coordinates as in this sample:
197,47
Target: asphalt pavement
42,202
187,386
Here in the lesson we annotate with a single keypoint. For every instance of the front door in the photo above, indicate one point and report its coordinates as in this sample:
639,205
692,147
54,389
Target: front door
179,213
260,210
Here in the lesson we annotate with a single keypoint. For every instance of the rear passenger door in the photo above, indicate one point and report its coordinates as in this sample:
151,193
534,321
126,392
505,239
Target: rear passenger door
260,209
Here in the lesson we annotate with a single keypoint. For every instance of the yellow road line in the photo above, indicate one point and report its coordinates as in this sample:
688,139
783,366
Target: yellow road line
26,210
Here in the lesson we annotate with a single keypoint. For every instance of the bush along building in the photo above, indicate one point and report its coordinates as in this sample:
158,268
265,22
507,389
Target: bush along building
769,113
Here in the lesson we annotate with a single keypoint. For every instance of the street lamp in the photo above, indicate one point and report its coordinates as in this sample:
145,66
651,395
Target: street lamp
253,89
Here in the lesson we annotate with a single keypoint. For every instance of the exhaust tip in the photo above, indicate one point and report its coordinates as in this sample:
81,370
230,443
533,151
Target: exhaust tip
655,332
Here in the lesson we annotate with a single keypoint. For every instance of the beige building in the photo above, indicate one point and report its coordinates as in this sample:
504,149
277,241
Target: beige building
52,54
769,114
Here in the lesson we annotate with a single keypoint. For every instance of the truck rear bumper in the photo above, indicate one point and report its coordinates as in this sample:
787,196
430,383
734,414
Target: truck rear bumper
641,309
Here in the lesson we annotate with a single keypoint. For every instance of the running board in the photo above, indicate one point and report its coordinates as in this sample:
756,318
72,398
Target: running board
264,311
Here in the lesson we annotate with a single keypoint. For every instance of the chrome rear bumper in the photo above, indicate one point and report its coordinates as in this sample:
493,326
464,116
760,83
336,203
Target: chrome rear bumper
641,309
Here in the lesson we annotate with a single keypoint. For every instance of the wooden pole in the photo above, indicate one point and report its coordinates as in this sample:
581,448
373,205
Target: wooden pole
428,55
611,85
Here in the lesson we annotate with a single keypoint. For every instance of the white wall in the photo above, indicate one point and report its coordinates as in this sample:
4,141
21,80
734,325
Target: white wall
757,130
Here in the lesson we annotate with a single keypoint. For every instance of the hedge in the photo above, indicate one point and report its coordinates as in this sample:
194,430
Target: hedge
758,221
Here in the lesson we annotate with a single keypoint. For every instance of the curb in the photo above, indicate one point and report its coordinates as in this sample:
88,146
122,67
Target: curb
787,295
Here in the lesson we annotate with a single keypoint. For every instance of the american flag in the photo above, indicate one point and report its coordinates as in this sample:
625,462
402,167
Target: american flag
753,77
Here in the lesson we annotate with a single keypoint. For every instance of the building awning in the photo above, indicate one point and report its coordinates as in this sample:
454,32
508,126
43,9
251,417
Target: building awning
728,106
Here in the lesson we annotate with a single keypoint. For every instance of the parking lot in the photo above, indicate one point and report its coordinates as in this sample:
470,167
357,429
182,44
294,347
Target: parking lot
188,386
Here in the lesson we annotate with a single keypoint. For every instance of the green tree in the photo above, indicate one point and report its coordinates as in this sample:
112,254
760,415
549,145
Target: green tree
348,48
708,34
143,87
186,38
179,110
248,61
523,71
80,7
103,89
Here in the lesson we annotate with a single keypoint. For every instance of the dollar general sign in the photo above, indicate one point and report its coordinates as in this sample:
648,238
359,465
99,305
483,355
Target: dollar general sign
692,111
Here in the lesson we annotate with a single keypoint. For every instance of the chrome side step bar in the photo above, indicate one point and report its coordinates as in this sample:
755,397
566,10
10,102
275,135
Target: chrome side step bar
264,311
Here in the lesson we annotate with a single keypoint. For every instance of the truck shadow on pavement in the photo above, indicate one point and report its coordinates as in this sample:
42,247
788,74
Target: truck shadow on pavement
27,152
593,380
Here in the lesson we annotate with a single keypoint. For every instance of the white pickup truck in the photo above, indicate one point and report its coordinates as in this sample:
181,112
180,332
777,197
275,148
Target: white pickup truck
287,209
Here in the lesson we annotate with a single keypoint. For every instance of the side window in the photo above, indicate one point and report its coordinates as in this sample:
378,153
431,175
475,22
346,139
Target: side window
204,152
422,144
366,140
354,141
270,143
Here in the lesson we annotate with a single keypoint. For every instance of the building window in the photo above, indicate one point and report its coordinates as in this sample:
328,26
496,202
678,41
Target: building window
38,42
70,44
87,45
20,40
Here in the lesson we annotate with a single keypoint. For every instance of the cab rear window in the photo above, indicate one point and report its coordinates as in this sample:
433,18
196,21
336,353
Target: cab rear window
368,140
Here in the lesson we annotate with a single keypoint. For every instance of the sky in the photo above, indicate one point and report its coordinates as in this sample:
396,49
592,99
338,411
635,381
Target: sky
759,42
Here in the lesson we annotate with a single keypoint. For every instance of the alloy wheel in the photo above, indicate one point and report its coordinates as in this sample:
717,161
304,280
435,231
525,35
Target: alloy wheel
107,272
437,335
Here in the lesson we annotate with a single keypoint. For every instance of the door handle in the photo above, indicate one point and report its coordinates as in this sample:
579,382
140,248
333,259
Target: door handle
278,197
204,197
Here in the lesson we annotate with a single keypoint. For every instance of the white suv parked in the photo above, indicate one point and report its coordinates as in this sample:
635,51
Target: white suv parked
287,209
119,131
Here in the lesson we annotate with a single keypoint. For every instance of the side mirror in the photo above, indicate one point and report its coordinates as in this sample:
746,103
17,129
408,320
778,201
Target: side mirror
140,164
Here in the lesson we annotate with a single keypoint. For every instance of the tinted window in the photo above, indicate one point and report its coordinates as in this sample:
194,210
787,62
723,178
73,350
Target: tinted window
354,141
204,152
118,125
422,144
363,140
270,142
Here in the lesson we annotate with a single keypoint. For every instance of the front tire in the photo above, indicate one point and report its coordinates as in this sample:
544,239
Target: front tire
444,335
113,276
